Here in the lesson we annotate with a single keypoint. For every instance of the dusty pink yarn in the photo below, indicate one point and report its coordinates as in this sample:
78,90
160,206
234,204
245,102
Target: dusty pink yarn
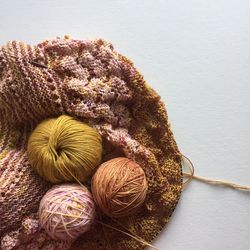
67,211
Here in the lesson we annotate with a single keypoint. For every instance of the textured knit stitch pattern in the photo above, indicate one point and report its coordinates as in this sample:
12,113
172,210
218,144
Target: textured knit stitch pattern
91,81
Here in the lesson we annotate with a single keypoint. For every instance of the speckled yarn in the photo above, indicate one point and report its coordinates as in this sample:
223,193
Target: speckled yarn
88,80
67,211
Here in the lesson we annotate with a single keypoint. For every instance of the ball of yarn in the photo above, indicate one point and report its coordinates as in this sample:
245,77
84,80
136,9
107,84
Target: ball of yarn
64,149
119,187
67,211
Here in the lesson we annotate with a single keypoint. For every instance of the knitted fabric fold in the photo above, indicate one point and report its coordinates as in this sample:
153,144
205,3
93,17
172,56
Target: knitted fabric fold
91,81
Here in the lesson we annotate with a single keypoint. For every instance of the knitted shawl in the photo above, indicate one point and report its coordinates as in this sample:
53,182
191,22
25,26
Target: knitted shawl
92,82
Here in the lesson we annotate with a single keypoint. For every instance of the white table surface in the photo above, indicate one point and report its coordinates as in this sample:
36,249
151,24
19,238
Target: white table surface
196,54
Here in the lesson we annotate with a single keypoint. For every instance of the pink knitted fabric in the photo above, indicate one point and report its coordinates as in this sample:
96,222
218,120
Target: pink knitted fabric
90,81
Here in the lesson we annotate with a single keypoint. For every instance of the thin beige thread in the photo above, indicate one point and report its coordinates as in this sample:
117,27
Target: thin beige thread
191,176
128,234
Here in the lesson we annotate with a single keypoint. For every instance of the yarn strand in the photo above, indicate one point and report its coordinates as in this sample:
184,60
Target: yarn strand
191,176
128,234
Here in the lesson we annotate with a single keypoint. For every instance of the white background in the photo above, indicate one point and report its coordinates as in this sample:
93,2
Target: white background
196,54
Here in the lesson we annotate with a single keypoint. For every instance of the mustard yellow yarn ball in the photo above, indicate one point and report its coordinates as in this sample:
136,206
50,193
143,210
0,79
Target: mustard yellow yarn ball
64,149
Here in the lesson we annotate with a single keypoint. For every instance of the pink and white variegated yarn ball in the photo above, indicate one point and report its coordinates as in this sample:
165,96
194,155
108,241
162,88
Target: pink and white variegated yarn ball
67,211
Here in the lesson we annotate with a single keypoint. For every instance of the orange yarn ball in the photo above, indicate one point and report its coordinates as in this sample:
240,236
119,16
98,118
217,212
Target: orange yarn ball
119,187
